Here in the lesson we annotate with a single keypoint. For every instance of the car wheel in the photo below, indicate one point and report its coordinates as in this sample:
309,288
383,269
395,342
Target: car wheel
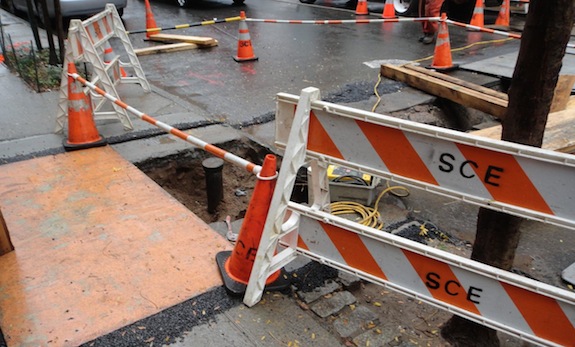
406,7
182,3
493,3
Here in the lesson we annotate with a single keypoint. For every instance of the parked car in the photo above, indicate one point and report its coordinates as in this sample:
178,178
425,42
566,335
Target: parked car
69,8
185,3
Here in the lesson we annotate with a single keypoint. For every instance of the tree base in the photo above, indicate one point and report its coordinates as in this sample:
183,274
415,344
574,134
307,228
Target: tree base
461,332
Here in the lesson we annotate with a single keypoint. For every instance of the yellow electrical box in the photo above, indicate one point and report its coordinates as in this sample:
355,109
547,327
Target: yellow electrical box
345,175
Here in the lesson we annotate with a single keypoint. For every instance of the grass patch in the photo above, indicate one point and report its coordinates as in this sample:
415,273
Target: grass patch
33,67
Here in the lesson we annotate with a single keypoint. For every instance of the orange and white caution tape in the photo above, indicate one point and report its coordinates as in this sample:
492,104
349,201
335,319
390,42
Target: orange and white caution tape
218,152
343,21
483,29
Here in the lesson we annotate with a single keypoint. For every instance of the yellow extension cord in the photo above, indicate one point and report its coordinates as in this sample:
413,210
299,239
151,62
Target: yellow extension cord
368,216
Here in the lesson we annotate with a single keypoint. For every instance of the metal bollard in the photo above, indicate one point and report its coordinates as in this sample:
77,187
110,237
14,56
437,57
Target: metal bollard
214,182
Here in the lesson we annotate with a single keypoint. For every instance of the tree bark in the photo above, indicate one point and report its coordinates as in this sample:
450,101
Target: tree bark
543,43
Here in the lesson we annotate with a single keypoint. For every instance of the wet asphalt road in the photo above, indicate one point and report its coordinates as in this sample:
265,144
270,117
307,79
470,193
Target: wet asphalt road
291,56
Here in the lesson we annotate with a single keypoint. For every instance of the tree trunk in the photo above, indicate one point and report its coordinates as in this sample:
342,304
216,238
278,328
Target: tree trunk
544,40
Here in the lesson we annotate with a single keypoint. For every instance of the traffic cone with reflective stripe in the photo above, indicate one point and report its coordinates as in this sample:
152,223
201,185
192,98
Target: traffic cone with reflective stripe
82,132
388,10
478,18
150,21
361,7
503,17
442,55
245,49
236,266
109,56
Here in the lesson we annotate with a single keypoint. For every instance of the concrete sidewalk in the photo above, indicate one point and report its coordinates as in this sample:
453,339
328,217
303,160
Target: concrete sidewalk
28,118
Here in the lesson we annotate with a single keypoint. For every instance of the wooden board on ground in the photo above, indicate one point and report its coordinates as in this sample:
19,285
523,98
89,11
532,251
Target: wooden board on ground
174,47
91,256
171,38
466,94
5,242
559,132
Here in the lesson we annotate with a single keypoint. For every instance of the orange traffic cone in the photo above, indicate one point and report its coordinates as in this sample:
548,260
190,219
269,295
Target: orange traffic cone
82,132
388,10
478,19
150,21
503,17
245,49
109,56
361,7
236,266
442,55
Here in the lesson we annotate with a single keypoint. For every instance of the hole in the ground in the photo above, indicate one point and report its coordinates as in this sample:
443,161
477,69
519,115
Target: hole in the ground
183,176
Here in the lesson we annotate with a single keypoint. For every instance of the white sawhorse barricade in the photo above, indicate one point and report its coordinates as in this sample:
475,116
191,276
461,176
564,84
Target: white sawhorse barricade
87,41
507,177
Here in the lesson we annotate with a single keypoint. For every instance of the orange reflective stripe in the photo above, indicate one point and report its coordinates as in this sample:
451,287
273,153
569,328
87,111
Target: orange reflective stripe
301,244
543,314
106,25
319,140
353,250
441,281
396,152
504,178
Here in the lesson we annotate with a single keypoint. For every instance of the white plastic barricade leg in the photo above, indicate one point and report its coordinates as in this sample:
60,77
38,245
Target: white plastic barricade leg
437,160
86,43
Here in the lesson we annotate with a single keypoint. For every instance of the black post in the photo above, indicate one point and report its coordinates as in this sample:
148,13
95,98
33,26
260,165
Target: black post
59,29
33,24
214,182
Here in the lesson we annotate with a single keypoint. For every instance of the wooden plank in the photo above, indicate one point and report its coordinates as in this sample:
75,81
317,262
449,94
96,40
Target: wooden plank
444,77
571,102
171,38
562,92
174,47
559,132
457,93
5,242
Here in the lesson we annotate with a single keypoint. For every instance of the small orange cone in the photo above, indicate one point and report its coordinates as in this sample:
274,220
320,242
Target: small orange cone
388,10
82,132
109,56
245,49
361,7
442,55
150,21
478,18
236,266
503,17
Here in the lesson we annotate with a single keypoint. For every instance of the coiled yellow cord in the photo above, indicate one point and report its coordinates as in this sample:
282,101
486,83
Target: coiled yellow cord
368,216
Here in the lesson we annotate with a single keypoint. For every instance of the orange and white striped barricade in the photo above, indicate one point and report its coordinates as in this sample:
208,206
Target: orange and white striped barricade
86,42
508,177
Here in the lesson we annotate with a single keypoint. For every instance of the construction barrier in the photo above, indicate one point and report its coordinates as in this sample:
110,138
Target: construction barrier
218,152
508,177
87,42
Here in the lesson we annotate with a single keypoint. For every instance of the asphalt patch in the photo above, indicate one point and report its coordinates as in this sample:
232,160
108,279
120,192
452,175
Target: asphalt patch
363,90
311,276
172,323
